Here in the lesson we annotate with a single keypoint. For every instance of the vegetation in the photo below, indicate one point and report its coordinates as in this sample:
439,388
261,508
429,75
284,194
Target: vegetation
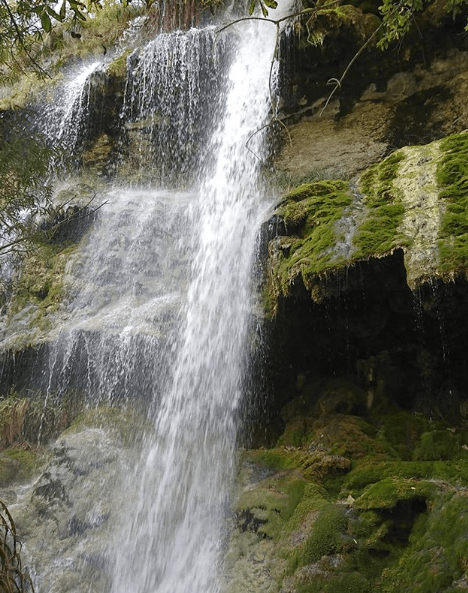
24,192
378,234
453,179
311,213
374,524
13,579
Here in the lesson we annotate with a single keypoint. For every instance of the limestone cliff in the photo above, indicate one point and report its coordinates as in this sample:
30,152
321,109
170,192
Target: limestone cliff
359,482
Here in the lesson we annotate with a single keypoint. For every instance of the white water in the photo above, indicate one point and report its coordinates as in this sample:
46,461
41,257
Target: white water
184,483
65,118
160,307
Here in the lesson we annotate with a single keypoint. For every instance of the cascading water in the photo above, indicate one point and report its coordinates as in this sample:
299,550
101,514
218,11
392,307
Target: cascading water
185,478
65,119
160,300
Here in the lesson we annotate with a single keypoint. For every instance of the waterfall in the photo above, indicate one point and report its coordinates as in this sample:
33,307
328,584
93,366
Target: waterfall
159,297
187,470
65,119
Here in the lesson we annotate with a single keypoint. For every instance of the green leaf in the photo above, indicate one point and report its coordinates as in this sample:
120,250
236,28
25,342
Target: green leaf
271,3
45,22
63,10
75,4
264,9
252,7
53,14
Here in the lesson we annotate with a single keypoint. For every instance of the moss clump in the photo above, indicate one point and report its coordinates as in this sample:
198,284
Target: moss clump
41,278
386,493
344,583
402,430
311,213
268,508
440,445
118,67
326,534
18,464
436,557
26,460
370,471
127,424
378,233
452,177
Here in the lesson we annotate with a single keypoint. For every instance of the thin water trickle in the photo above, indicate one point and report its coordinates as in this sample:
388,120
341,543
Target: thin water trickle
65,119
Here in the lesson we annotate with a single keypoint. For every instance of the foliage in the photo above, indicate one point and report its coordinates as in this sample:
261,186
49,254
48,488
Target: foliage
24,191
23,24
12,577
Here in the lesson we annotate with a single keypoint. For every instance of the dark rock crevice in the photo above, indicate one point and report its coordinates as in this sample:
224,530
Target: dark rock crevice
401,348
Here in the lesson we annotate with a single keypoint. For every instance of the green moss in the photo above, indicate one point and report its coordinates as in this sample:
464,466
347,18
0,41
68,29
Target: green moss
41,278
128,424
326,534
272,503
452,177
436,556
278,458
118,67
18,465
311,212
25,458
378,233
345,583
370,471
402,506
386,493
439,445
402,430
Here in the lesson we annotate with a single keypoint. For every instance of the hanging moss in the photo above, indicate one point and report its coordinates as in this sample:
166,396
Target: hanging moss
310,214
377,235
452,176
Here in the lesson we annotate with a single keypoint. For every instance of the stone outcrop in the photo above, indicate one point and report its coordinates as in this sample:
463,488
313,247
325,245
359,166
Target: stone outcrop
358,478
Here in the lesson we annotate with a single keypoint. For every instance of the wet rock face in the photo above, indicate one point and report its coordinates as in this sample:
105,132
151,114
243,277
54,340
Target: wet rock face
402,347
410,94
59,517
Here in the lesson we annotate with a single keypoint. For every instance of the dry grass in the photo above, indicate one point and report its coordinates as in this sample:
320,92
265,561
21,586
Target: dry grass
12,577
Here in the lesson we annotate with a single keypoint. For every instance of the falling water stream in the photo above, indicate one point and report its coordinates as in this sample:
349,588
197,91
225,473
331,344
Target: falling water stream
160,295
187,470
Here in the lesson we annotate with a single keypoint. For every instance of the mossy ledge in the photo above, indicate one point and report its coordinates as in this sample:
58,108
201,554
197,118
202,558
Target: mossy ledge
359,503
415,201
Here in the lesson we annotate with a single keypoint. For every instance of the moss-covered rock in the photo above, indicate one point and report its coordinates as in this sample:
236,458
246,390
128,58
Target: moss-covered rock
413,201
353,503
311,215
452,176
378,233
41,279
